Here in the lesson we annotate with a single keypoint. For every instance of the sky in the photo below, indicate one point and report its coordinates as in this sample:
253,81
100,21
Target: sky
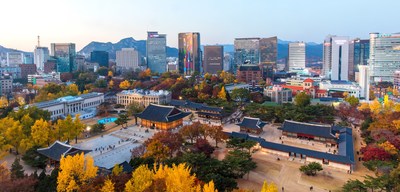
218,21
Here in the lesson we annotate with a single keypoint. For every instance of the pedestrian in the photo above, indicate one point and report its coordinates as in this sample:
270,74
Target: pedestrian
311,188
283,189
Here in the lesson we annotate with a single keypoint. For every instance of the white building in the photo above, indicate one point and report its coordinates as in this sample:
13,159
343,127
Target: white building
278,94
127,59
327,55
14,59
40,56
297,56
384,56
363,81
340,59
84,104
341,86
143,97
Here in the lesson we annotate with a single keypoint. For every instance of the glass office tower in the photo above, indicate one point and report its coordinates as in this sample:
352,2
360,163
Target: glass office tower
189,53
65,55
156,52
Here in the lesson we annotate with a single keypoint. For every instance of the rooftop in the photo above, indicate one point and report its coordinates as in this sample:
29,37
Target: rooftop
320,130
145,92
252,123
58,149
161,113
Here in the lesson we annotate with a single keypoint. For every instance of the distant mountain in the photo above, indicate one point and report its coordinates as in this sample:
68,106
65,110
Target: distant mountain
5,50
129,42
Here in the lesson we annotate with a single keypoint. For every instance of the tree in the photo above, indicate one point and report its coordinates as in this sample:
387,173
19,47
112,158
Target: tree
75,171
134,108
240,144
302,99
353,101
388,147
222,94
124,85
202,146
17,171
108,186
192,131
239,162
142,179
216,133
269,188
157,150
375,106
117,169
209,187
78,127
375,153
311,169
240,94
65,128
122,119
354,185
42,133
111,84
14,134
172,140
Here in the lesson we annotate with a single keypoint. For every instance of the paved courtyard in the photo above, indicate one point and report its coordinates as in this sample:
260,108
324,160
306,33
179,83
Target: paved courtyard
115,147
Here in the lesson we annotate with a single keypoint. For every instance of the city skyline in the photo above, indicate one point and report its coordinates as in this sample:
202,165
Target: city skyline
81,22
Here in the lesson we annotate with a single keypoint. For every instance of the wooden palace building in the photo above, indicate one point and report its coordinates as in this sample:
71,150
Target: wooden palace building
162,117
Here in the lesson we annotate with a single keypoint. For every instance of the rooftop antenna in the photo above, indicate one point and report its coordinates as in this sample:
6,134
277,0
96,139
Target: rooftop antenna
38,41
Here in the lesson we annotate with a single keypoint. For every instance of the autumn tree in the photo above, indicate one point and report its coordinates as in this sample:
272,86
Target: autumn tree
157,150
192,131
14,134
65,128
209,187
222,94
375,153
42,133
142,179
269,187
108,186
124,85
171,140
78,127
302,99
216,133
203,146
75,171
117,169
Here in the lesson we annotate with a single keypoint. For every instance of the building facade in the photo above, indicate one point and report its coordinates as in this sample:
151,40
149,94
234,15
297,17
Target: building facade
247,50
65,55
297,56
6,84
249,74
40,56
100,57
127,59
27,69
384,56
213,58
156,52
190,55
360,55
363,81
340,59
84,104
251,125
14,59
278,94
268,56
396,79
143,97
162,117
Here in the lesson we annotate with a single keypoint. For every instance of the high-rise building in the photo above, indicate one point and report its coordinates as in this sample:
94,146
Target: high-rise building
156,52
213,58
297,56
384,56
14,59
100,57
340,59
247,50
361,55
327,57
65,55
127,59
268,55
363,81
189,53
40,56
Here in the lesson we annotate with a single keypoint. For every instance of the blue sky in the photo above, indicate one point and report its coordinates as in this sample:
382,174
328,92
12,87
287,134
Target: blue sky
218,21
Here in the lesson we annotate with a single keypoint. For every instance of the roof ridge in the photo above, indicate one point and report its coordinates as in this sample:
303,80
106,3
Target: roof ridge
312,124
256,118
165,106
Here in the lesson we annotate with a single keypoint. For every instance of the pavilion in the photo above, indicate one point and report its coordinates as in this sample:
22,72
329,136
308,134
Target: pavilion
162,117
58,149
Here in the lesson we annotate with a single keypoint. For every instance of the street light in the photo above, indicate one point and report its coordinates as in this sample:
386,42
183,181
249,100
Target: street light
88,128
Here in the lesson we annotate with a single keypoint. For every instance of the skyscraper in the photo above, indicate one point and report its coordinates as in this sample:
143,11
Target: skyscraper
268,55
100,57
340,59
127,59
65,55
247,50
361,54
384,56
156,54
326,68
297,56
213,58
40,56
189,53
363,81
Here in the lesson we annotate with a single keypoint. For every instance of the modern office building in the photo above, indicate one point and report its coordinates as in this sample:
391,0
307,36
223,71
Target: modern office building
6,85
190,54
156,52
297,56
213,59
127,59
143,97
384,56
100,57
340,59
327,57
249,74
363,81
27,69
40,56
278,94
361,55
65,55
247,50
268,55
14,59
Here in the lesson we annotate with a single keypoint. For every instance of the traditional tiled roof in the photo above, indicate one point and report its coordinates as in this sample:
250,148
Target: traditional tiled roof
252,123
161,113
58,149
308,80
344,158
319,130
194,105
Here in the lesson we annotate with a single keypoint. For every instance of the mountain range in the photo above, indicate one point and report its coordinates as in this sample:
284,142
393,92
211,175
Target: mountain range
313,50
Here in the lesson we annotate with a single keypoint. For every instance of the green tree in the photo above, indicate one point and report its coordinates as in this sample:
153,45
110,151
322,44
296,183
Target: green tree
122,119
311,169
134,108
17,171
240,94
302,99
354,185
353,101
239,162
